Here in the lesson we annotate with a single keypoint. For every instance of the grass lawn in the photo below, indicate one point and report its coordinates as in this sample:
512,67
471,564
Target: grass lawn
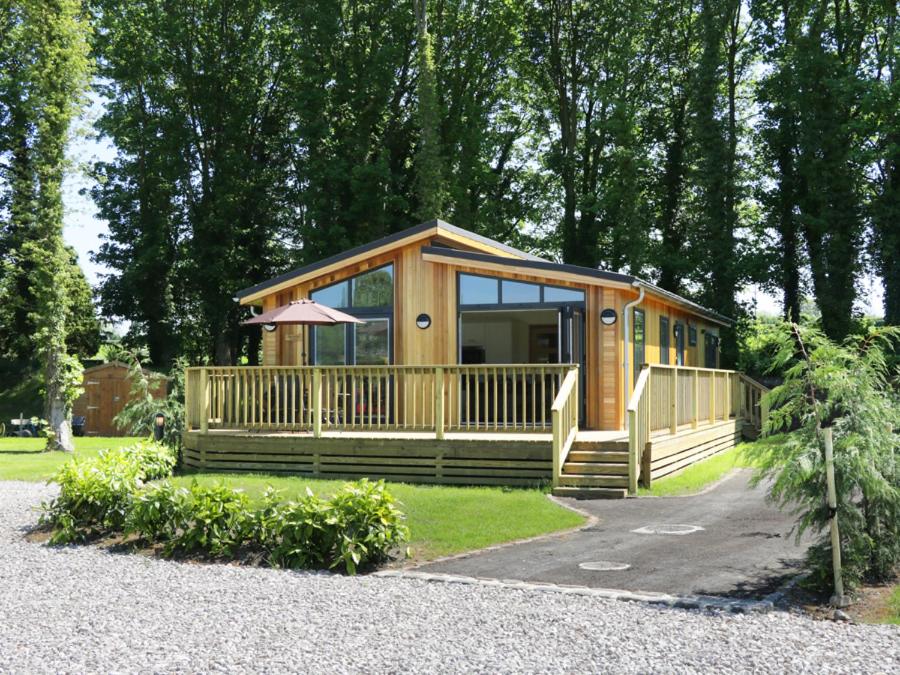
442,520
25,459
699,475
893,607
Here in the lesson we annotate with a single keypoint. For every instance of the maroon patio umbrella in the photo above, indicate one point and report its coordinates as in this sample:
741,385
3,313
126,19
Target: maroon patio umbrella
304,312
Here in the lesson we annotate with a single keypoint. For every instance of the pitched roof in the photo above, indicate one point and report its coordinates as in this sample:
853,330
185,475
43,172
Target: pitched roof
434,227
513,257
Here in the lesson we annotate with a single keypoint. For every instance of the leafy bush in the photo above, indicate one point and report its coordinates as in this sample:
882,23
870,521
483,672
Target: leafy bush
155,460
214,520
95,494
358,526
852,388
157,512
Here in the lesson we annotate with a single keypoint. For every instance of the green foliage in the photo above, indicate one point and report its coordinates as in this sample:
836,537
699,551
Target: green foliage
95,493
137,416
358,526
850,387
157,512
210,519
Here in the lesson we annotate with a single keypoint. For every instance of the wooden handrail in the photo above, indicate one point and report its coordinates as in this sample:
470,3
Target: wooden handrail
564,415
638,427
433,398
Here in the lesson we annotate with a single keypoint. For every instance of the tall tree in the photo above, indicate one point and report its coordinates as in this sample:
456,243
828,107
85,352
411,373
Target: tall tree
50,43
430,187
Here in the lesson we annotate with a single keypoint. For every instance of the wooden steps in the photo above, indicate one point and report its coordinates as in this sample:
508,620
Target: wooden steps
595,470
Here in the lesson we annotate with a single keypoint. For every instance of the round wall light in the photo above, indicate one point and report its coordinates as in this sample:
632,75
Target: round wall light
608,317
423,321
269,327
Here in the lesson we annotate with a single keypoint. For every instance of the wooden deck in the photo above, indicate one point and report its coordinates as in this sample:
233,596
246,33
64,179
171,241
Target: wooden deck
495,425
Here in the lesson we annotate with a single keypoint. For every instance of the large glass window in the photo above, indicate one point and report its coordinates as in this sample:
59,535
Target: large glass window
640,340
559,294
488,291
331,345
519,292
375,288
335,296
664,340
368,296
372,343
478,290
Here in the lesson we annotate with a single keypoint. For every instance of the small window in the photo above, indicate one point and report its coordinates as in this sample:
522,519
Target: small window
711,356
337,295
692,335
375,288
514,292
478,290
679,344
559,294
664,340
640,339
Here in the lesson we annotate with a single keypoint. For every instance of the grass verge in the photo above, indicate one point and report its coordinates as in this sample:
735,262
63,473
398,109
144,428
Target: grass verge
892,614
25,458
700,475
443,520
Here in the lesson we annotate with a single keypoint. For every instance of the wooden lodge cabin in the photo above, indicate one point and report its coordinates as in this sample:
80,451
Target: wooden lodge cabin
477,364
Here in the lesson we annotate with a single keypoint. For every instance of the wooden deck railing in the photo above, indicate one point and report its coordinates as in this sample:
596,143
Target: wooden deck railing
673,398
359,398
564,412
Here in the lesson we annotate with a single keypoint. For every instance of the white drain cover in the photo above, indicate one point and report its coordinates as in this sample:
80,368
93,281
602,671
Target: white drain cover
668,529
604,566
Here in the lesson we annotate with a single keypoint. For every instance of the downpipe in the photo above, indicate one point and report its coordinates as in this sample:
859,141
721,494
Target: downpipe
627,348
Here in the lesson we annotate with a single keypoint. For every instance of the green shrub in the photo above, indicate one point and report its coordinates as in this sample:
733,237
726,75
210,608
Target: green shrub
155,460
157,512
214,520
95,494
358,526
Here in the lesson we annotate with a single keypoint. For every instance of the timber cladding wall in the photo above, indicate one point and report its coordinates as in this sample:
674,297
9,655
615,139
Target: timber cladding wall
670,455
463,462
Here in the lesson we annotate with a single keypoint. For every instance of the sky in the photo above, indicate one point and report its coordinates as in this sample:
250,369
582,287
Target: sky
83,228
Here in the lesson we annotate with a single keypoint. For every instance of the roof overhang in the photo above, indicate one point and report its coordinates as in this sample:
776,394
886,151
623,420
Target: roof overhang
431,228
571,273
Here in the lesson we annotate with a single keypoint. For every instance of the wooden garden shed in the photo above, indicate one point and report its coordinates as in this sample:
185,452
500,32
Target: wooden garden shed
107,389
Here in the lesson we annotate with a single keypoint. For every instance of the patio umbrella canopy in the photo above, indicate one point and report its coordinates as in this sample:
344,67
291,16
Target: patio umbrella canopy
303,312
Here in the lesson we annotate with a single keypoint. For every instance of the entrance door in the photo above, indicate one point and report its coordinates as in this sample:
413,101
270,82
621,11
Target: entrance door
571,320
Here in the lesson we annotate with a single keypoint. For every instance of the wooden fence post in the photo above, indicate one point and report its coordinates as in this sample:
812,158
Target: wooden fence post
634,453
695,417
204,401
726,407
556,445
712,396
317,403
673,400
439,403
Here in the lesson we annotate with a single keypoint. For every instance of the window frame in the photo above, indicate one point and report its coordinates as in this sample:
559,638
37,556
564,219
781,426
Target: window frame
540,304
362,312
680,342
638,363
664,334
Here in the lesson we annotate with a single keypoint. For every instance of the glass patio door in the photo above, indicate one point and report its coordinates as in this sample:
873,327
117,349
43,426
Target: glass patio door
571,321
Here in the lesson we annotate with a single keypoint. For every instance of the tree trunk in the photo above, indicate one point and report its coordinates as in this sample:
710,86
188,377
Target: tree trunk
58,414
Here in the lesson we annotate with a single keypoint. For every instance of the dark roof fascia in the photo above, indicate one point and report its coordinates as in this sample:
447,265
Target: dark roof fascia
378,243
580,271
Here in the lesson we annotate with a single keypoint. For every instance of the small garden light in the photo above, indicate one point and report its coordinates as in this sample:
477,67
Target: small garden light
159,425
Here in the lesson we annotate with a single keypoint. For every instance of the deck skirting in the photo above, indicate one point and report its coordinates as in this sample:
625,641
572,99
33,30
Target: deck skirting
671,454
525,461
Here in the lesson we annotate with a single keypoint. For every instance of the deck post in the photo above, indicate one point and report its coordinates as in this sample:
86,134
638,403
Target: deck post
673,400
317,403
439,403
712,396
695,417
204,401
634,453
726,408
556,446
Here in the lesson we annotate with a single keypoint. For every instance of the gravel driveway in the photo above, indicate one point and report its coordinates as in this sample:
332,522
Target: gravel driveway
81,609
